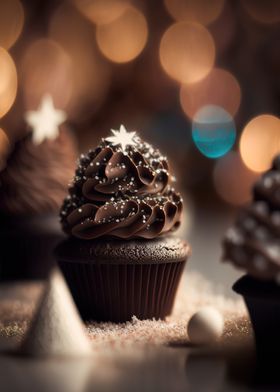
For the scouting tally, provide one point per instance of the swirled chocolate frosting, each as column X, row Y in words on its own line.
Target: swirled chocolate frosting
column 121, row 190
column 253, row 243
column 36, row 177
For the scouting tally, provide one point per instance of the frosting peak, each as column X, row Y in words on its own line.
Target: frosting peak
column 121, row 189
column 253, row 243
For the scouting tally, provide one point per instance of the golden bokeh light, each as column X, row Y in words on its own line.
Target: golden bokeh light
column 11, row 22
column 90, row 74
column 267, row 11
column 187, row 52
column 125, row 38
column 8, row 82
column 260, row 142
column 45, row 69
column 233, row 181
column 201, row 11
column 218, row 88
column 100, row 11
column 4, row 148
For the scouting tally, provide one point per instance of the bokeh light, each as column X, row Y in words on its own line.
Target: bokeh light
column 8, row 82
column 90, row 73
column 46, row 69
column 213, row 131
column 187, row 52
column 233, row 180
column 219, row 88
column 260, row 142
column 125, row 38
column 4, row 148
column 267, row 11
column 11, row 22
column 100, row 11
column 200, row 11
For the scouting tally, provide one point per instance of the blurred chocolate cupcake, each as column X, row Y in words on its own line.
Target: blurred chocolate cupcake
column 33, row 184
column 253, row 244
column 36, row 177
column 120, row 259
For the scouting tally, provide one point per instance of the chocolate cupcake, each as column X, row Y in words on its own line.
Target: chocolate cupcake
column 36, row 177
column 253, row 244
column 33, row 184
column 120, row 259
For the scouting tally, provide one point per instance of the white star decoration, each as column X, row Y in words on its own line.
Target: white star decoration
column 45, row 121
column 122, row 137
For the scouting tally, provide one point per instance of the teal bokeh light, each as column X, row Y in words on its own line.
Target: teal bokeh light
column 213, row 131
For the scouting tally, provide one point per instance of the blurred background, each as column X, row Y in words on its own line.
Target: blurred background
column 198, row 79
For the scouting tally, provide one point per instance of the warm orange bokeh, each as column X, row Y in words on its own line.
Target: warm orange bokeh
column 187, row 52
column 8, row 82
column 4, row 148
column 219, row 88
column 125, row 38
column 100, row 11
column 260, row 142
column 11, row 22
column 90, row 74
column 46, row 69
column 201, row 11
column 233, row 180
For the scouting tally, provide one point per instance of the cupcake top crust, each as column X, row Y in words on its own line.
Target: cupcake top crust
column 253, row 243
column 122, row 189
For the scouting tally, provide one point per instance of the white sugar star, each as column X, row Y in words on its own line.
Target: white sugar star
column 122, row 137
column 45, row 121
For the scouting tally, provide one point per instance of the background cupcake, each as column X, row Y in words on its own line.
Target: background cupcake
column 120, row 206
column 253, row 244
column 33, row 183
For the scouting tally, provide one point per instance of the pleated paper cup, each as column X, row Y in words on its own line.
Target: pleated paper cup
column 108, row 289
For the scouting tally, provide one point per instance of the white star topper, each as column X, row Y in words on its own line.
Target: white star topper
column 45, row 121
column 122, row 137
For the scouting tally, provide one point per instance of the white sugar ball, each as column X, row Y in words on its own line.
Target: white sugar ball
column 205, row 326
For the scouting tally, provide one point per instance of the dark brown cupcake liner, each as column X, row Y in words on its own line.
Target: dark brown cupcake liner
column 262, row 299
column 116, row 292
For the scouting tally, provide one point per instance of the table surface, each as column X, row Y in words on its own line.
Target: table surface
column 148, row 368
column 181, row 368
